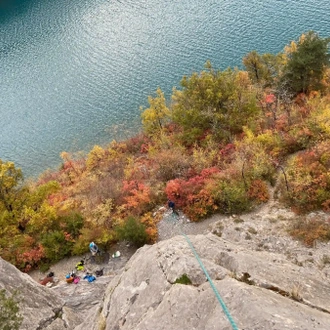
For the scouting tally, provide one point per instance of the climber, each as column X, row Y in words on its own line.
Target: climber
column 171, row 205
column 48, row 279
column 70, row 277
column 94, row 249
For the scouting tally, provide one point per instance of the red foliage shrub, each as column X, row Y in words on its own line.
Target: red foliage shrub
column 227, row 150
column 258, row 191
column 55, row 199
column 270, row 98
column 30, row 257
column 191, row 195
column 136, row 197
column 137, row 144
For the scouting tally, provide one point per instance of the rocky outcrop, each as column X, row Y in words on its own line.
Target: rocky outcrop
column 38, row 305
column 62, row 306
column 262, row 290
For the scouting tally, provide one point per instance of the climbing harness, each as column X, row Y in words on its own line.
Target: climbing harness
column 224, row 307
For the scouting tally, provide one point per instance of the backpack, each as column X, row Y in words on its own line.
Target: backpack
column 99, row 272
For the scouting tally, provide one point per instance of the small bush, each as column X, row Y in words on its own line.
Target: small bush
column 92, row 233
column 231, row 197
column 171, row 163
column 258, row 191
column 238, row 220
column 296, row 292
column 252, row 230
column 133, row 231
column 10, row 319
column 308, row 177
column 308, row 231
column 57, row 245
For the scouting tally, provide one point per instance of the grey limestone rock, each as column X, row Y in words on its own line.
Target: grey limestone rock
column 38, row 305
column 260, row 290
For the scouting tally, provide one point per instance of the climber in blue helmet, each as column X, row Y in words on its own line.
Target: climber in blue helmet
column 93, row 248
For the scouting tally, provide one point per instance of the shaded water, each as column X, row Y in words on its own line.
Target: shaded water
column 74, row 73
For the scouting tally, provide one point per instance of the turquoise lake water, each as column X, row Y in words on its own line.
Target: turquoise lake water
column 74, row 73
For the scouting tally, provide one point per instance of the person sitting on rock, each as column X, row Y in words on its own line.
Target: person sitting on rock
column 70, row 277
column 48, row 279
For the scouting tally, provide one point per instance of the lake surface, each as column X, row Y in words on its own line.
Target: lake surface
column 74, row 73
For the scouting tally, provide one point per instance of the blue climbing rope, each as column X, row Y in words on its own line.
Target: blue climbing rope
column 224, row 307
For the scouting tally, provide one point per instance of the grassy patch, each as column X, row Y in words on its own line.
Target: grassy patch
column 184, row 279
column 252, row 230
column 326, row 259
column 238, row 220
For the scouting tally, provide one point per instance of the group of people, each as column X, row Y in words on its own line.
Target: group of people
column 72, row 277
column 94, row 250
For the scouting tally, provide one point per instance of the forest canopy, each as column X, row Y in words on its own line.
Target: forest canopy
column 217, row 144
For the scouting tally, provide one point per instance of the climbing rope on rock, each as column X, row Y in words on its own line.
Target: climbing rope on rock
column 217, row 294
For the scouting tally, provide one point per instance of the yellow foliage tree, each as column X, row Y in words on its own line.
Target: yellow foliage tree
column 155, row 117
column 95, row 157
column 11, row 179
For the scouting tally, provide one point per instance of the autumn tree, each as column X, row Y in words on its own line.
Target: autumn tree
column 133, row 231
column 308, row 59
column 254, row 161
column 308, row 174
column 11, row 179
column 155, row 117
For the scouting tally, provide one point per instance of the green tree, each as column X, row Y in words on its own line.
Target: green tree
column 263, row 69
column 155, row 117
column 10, row 319
column 133, row 231
column 214, row 102
column 308, row 60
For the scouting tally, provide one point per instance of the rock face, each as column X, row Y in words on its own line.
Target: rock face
column 64, row 306
column 38, row 305
column 261, row 290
